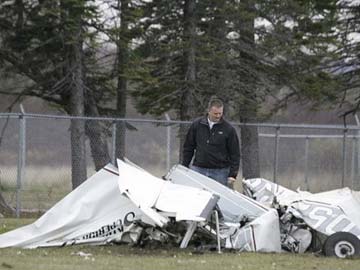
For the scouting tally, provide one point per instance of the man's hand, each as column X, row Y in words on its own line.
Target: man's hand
column 231, row 182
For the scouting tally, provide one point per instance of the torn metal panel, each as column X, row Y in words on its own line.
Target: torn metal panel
column 261, row 231
column 233, row 205
column 346, row 199
column 258, row 235
column 153, row 194
column 93, row 213
column 322, row 217
column 142, row 187
column 331, row 213
column 186, row 203
column 265, row 191
column 327, row 212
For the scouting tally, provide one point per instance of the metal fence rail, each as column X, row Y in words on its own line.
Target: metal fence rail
column 35, row 160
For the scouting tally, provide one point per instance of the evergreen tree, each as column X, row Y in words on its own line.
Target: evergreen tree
column 348, row 65
column 43, row 42
column 240, row 59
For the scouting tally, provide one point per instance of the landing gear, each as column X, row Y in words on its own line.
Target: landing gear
column 342, row 245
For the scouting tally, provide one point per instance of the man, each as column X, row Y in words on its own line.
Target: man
column 216, row 146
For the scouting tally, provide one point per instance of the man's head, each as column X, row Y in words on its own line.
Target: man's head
column 215, row 110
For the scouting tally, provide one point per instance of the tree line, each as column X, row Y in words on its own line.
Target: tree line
column 88, row 57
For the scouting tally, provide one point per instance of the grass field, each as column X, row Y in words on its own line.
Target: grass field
column 135, row 258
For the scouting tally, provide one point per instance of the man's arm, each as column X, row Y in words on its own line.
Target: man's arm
column 234, row 153
column 189, row 146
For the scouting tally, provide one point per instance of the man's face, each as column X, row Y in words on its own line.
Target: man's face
column 215, row 113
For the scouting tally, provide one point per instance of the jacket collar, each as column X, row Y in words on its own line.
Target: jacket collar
column 204, row 120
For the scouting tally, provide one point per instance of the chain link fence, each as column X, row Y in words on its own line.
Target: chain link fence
column 35, row 154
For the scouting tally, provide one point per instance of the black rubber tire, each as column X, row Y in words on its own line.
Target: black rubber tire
column 342, row 245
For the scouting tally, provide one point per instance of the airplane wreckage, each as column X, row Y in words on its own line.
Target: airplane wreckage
column 129, row 205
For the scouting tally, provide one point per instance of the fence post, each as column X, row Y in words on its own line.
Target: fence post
column 21, row 160
column 353, row 162
column 168, row 143
column 307, row 163
column 276, row 150
column 113, row 143
column 343, row 159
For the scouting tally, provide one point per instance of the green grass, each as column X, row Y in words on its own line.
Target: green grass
column 8, row 224
column 127, row 257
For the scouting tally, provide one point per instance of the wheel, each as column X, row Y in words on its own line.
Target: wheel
column 342, row 245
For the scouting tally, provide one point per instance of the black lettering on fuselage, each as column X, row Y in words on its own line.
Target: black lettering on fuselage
column 111, row 229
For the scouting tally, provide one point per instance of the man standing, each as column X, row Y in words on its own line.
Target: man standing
column 216, row 146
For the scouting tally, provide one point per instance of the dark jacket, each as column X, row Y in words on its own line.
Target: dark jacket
column 215, row 148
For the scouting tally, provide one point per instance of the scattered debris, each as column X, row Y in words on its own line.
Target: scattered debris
column 81, row 254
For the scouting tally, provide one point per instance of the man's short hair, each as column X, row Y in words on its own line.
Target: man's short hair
column 215, row 102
